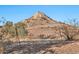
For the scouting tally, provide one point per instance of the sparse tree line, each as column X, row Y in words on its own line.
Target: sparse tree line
column 13, row 30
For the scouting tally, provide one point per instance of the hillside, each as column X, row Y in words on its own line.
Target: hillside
column 39, row 26
column 39, row 34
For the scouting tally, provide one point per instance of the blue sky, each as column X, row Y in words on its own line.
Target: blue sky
column 18, row 13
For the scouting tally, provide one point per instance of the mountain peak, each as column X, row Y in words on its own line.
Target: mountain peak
column 39, row 18
column 39, row 14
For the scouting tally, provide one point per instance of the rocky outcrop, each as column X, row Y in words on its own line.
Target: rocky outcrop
column 70, row 48
column 40, row 26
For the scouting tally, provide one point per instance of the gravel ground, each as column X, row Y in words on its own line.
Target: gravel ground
column 30, row 47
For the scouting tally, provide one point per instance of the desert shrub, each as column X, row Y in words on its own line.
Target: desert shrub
column 2, row 38
column 9, row 28
column 70, row 30
column 20, row 30
column 15, row 30
column 69, row 33
column 66, row 32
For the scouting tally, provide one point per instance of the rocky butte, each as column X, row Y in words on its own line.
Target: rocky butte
column 40, row 26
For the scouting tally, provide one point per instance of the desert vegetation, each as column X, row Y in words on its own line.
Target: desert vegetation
column 73, row 22
column 38, row 34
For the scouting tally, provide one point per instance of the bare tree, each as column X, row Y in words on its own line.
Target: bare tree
column 72, row 28
column 74, row 22
column 70, row 32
